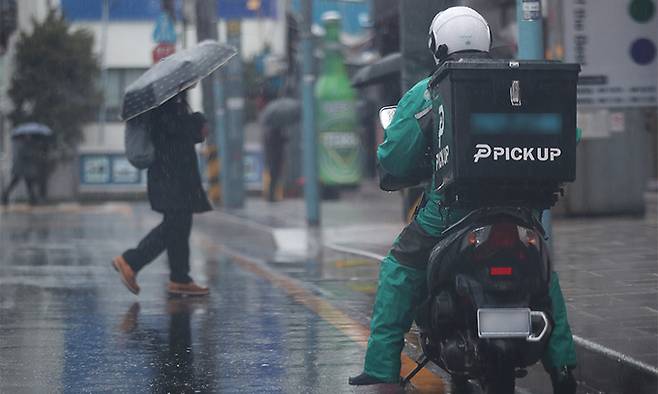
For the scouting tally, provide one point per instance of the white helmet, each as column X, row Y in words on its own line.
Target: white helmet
column 458, row 29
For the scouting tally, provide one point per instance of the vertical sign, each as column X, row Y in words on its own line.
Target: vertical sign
column 615, row 43
column 232, row 150
column 164, row 33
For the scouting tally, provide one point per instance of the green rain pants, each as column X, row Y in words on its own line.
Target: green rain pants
column 402, row 287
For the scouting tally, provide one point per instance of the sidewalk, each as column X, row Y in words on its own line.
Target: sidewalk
column 608, row 269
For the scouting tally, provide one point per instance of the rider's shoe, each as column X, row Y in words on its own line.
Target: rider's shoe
column 365, row 380
column 563, row 381
column 459, row 385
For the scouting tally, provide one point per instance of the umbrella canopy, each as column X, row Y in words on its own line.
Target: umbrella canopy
column 172, row 75
column 385, row 67
column 281, row 112
column 32, row 128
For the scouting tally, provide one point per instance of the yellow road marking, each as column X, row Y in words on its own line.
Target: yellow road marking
column 366, row 288
column 425, row 381
column 348, row 263
column 108, row 208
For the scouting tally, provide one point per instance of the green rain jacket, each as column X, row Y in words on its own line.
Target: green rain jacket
column 403, row 155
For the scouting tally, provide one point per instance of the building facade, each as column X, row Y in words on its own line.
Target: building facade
column 124, row 43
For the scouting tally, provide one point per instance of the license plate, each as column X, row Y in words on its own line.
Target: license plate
column 503, row 322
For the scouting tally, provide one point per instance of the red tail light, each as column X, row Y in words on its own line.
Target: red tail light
column 504, row 235
column 500, row 271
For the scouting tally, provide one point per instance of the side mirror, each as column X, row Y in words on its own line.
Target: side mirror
column 386, row 116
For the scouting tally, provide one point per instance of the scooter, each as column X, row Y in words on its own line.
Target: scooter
column 487, row 315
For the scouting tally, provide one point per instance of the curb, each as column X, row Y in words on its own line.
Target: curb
column 607, row 371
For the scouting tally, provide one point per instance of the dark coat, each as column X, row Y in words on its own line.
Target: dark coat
column 27, row 158
column 174, row 181
column 274, row 141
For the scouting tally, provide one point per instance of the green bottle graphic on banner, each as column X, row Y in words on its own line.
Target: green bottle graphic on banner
column 339, row 150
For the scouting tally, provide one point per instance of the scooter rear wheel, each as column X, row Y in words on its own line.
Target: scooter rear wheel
column 459, row 385
column 500, row 379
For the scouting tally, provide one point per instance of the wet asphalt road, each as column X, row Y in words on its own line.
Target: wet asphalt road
column 278, row 320
column 68, row 325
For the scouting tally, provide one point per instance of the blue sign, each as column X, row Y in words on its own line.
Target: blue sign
column 95, row 169
column 253, row 169
column 355, row 14
column 108, row 169
column 165, row 29
column 643, row 51
column 148, row 10
column 92, row 10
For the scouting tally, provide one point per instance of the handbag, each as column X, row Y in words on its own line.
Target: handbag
column 140, row 150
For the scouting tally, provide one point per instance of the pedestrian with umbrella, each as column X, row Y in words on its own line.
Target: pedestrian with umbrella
column 156, row 104
column 276, row 117
column 29, row 155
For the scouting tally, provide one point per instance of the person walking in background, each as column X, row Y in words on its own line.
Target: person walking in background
column 45, row 167
column 274, row 141
column 174, row 190
column 25, row 165
column 277, row 118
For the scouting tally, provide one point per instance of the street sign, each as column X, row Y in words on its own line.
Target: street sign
column 253, row 168
column 615, row 43
column 95, row 169
column 162, row 50
column 124, row 172
column 108, row 169
column 144, row 10
column 165, row 29
column 232, row 153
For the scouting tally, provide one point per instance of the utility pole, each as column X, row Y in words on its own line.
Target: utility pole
column 102, row 113
column 310, row 144
column 531, row 47
column 531, row 30
column 8, row 24
column 2, row 116
column 206, row 28
column 232, row 143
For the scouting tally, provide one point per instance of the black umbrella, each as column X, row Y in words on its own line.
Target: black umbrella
column 383, row 68
column 32, row 129
column 281, row 112
column 172, row 75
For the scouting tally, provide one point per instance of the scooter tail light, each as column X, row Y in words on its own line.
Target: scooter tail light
column 476, row 237
column 500, row 271
column 528, row 237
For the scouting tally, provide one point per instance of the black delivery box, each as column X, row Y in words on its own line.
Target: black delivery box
column 504, row 131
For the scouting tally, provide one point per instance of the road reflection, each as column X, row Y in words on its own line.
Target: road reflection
column 68, row 325
column 171, row 352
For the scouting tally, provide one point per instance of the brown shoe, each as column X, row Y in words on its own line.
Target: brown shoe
column 126, row 273
column 191, row 289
